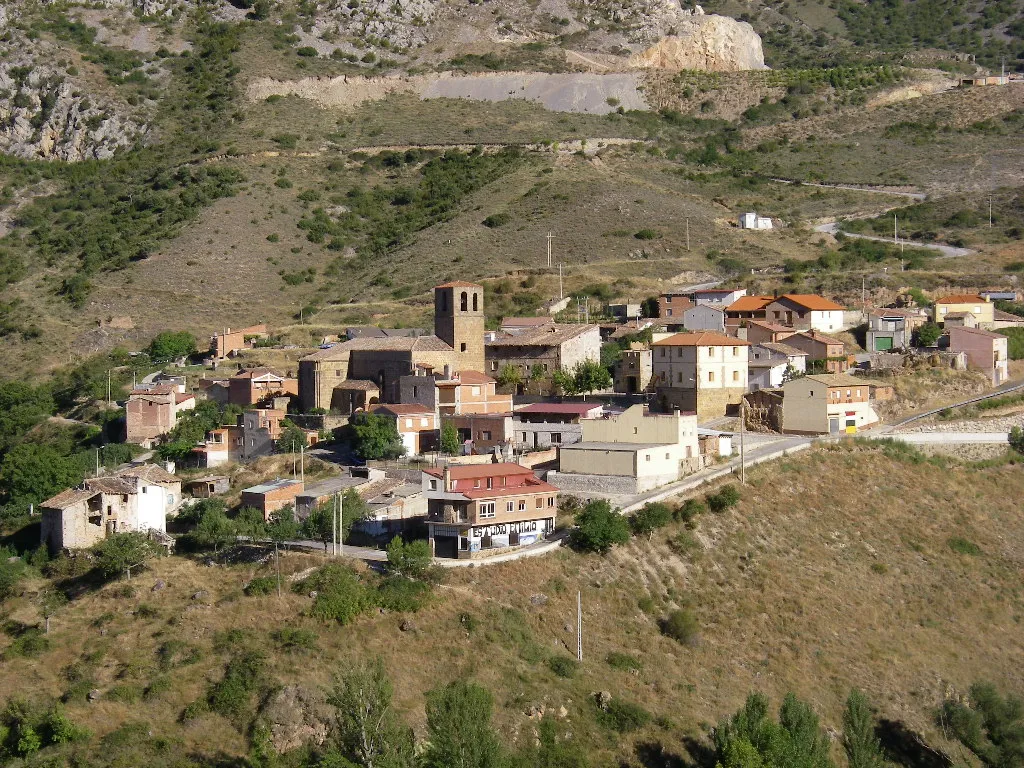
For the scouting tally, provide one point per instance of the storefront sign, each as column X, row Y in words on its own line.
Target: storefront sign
column 503, row 529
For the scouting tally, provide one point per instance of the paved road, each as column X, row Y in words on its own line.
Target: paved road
column 832, row 228
column 369, row 554
column 1010, row 386
column 941, row 438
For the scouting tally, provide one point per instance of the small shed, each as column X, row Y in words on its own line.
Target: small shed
column 208, row 485
column 751, row 220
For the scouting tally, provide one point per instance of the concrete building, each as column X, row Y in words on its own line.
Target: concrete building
column 743, row 309
column 753, row 221
column 960, row 320
column 544, row 350
column 481, row 509
column 458, row 344
column 270, row 497
column 824, row 353
column 979, row 306
column 720, row 298
column 630, row 453
column 152, row 413
column 704, row 317
column 228, row 342
column 634, row 373
column 701, row 372
column 627, row 311
column 672, row 305
column 481, row 432
column 805, row 312
column 417, row 426
column 822, row 404
column 542, row 425
column 152, row 474
column 312, row 496
column 223, row 445
column 396, row 506
column 986, row 351
column 770, row 364
column 100, row 507
column 261, row 429
column 257, row 385
column 893, row 329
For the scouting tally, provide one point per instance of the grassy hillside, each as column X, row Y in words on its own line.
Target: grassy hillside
column 851, row 566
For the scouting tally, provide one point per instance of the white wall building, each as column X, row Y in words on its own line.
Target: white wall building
column 752, row 221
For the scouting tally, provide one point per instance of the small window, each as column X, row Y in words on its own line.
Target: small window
column 510, row 506
column 494, row 365
column 735, row 351
column 540, row 503
column 666, row 456
column 668, row 313
column 415, row 392
column 476, row 391
column 551, row 501
column 711, row 375
column 476, row 483
column 522, row 505
column 490, row 483
column 485, row 435
column 647, row 457
column 556, row 437
column 735, row 375
column 848, row 393
column 679, row 376
column 408, row 423
column 663, row 351
column 711, row 350
column 475, row 304
column 462, row 347
column 636, row 430
column 487, row 509
column 424, row 421
column 433, row 485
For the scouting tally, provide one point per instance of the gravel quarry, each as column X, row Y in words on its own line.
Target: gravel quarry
column 591, row 93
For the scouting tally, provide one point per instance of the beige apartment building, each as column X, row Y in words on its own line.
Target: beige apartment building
column 701, row 372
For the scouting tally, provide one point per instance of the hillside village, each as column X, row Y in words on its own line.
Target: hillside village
column 467, row 437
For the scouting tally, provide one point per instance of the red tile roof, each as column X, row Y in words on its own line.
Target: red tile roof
column 468, row 377
column 401, row 409
column 457, row 284
column 961, row 298
column 577, row 409
column 750, row 303
column 812, row 301
column 705, row 339
column 475, row 471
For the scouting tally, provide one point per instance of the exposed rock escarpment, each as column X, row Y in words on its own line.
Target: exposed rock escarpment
column 707, row 43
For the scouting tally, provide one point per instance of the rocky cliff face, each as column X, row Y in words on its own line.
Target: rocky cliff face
column 707, row 43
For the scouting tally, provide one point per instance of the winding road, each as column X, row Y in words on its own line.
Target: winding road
column 947, row 251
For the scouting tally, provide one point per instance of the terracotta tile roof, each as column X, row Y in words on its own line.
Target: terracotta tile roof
column 812, row 301
column 838, row 380
column 525, row 322
column 957, row 315
column 976, row 332
column 572, row 409
column 69, row 498
column 162, row 390
column 532, row 486
column 401, row 409
column 703, row 339
column 457, row 284
column 773, row 327
column 546, row 336
column 466, row 377
column 149, row 472
column 181, row 397
column 254, row 373
column 961, row 298
column 377, row 344
column 750, row 303
column 820, row 337
column 1006, row 317
column 782, row 349
column 358, row 385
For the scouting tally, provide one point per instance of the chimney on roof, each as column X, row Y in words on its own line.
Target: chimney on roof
column 446, row 477
column 447, row 371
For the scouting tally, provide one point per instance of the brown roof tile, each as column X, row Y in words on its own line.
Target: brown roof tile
column 705, row 339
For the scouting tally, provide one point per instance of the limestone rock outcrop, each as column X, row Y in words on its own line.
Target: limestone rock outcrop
column 708, row 43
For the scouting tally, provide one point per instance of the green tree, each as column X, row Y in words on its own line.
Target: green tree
column 564, row 383
column 376, row 437
column 927, row 335
column 649, row 518
column 1017, row 439
column 119, row 553
column 50, row 601
column 320, row 524
column 215, row 529
column 459, row 726
column 450, row 442
column 599, row 527
column 368, row 730
column 410, row 559
column 589, row 376
column 292, row 439
column 750, row 739
column 509, row 376
column 22, row 406
column 31, row 473
column 649, row 307
column 249, row 522
column 170, row 346
column 863, row 749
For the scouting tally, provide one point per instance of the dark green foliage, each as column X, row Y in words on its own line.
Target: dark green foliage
column 992, row 727
column 1017, row 439
column 27, row 641
column 121, row 551
column 863, row 749
column 496, row 220
column 261, row 585
column 12, row 570
column 22, row 406
column 26, row 728
column 340, row 595
column 751, row 738
column 598, row 527
column 233, row 695
column 963, row 546
column 623, row 661
column 647, row 234
column 376, row 437
column 689, row 511
column 32, row 473
column 459, row 725
column 294, row 639
column 623, row 716
column 728, row 496
column 927, row 335
column 398, row 593
column 649, row 518
column 585, row 377
column 553, row 749
column 170, row 346
column 450, row 442
column 214, row 529
column 564, row 666
column 292, row 439
column 1015, row 344
column 681, row 625
column 410, row 559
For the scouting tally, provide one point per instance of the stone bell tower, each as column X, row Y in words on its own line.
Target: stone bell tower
column 459, row 321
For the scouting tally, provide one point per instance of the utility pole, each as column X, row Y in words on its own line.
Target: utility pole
column 687, row 233
column 334, row 526
column 97, row 463
column 895, row 237
column 743, row 429
column 579, row 626
column 990, row 211
column 108, row 387
column 341, row 523
column 302, row 464
column 549, row 238
column 561, row 291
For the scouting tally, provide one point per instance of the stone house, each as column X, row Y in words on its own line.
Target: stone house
column 634, row 372
column 631, row 452
column 893, row 328
column 208, row 485
column 256, row 385
column 985, row 350
column 261, row 429
column 541, row 425
column 152, row 413
column 705, row 373
column 823, row 352
column 542, row 351
column 831, row 404
column 481, row 509
column 80, row 517
column 228, row 342
column 222, row 445
column 157, row 475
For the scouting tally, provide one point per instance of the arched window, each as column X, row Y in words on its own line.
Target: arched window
column 465, row 301
column 475, row 307
column 444, row 301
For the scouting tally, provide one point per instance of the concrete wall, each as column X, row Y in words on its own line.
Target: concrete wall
column 538, row 435
column 704, row 318
column 151, row 508
column 635, row 426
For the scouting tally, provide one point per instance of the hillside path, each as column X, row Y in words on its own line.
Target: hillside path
column 947, row 251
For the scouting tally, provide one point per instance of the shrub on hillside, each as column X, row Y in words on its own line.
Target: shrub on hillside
column 497, row 220
column 681, row 626
column 261, row 585
column 623, row 716
column 340, row 595
column 233, row 694
column 563, row 666
column 688, row 512
column 649, row 518
column 727, row 497
column 623, row 661
column 598, row 528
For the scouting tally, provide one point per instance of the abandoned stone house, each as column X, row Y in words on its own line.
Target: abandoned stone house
column 539, row 352
column 152, row 413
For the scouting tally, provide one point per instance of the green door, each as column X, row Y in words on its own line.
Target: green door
column 883, row 343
